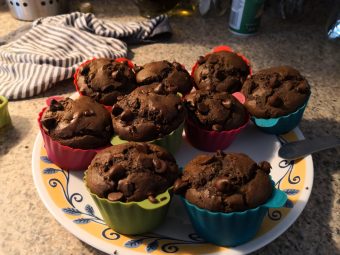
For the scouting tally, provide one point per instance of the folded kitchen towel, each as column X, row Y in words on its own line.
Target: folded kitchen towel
column 52, row 49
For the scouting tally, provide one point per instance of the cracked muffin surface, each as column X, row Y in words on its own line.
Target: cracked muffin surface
column 225, row 182
column 221, row 71
column 81, row 123
column 173, row 75
column 216, row 111
column 132, row 172
column 105, row 79
column 148, row 113
column 275, row 92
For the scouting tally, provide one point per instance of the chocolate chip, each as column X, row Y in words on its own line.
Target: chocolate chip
column 115, row 196
column 227, row 103
column 88, row 113
column 116, row 110
column 220, row 75
column 126, row 187
column 302, row 88
column 220, row 153
column 137, row 68
column 203, row 108
column 84, row 70
column 164, row 198
column 117, row 171
column 274, row 82
column 153, row 200
column 115, row 74
column 180, row 186
column 159, row 89
column 180, row 107
column 177, row 65
column 56, row 106
column 48, row 123
column 200, row 60
column 223, row 185
column 275, row 101
column 217, row 127
column 265, row 166
column 160, row 165
column 126, row 115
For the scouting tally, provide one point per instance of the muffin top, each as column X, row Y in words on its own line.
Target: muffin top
column 105, row 79
column 173, row 75
column 148, row 113
column 81, row 123
column 225, row 182
column 275, row 92
column 216, row 111
column 221, row 71
column 131, row 172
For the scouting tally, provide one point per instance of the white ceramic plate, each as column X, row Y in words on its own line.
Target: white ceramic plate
column 66, row 197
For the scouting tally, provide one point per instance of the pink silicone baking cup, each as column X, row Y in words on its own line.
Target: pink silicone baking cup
column 120, row 60
column 224, row 48
column 207, row 140
column 64, row 156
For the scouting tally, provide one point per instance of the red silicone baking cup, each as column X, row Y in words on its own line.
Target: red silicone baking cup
column 64, row 156
column 224, row 48
column 207, row 140
column 120, row 60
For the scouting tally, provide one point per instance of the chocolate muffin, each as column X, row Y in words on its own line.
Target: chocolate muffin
column 81, row 123
column 105, row 79
column 221, row 71
column 132, row 172
column 225, row 182
column 148, row 113
column 173, row 75
column 275, row 92
column 216, row 111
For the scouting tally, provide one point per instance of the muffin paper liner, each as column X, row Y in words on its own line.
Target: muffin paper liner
column 224, row 48
column 234, row 228
column 64, row 156
column 211, row 141
column 171, row 142
column 132, row 218
column 130, row 64
column 5, row 119
column 282, row 124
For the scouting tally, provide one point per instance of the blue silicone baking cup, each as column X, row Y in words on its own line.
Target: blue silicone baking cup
column 282, row 124
column 235, row 228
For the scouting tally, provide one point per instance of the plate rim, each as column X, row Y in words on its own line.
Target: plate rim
column 246, row 248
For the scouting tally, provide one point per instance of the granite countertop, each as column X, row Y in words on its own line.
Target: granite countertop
column 26, row 227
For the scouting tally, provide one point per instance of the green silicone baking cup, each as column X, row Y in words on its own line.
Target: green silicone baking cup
column 133, row 218
column 5, row 119
column 171, row 142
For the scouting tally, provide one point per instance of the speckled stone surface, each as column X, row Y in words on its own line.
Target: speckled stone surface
column 26, row 227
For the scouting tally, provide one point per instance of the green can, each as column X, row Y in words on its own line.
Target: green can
column 245, row 16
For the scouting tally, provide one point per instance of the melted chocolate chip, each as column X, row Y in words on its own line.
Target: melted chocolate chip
column 115, row 196
column 227, row 103
column 117, row 171
column 217, row 127
column 116, row 110
column 275, row 101
column 127, row 115
column 180, row 186
column 223, row 185
column 153, row 200
column 56, row 106
column 126, row 187
column 160, row 165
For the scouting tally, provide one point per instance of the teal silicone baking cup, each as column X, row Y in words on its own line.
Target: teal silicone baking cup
column 5, row 119
column 235, row 228
column 282, row 124
column 133, row 218
column 171, row 142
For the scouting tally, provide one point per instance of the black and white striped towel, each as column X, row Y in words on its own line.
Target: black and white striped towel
column 54, row 47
